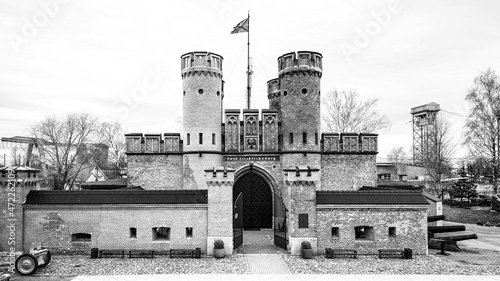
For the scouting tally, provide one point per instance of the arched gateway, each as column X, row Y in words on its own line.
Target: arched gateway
column 257, row 200
column 257, row 204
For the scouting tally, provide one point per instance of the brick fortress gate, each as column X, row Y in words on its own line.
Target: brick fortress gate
column 300, row 182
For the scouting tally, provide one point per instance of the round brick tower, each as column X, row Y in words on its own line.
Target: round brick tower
column 202, row 90
column 299, row 82
column 202, row 114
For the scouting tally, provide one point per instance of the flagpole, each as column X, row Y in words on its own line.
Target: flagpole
column 249, row 86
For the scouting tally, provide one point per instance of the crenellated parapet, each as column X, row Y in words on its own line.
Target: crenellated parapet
column 217, row 176
column 302, row 175
column 153, row 143
column 305, row 62
column 350, row 143
column 201, row 63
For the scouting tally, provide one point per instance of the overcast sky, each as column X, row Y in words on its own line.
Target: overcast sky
column 92, row 56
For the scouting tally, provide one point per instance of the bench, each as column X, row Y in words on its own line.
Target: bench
column 391, row 253
column 111, row 253
column 340, row 253
column 141, row 254
column 191, row 253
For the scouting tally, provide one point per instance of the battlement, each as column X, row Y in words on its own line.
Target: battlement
column 350, row 142
column 302, row 61
column 201, row 62
column 153, row 143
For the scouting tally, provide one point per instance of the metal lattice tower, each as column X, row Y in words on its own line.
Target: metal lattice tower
column 424, row 124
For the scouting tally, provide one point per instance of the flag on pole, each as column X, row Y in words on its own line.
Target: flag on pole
column 243, row 26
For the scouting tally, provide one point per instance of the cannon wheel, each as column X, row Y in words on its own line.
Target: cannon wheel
column 26, row 264
column 46, row 259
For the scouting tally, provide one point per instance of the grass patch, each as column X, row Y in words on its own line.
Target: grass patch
column 464, row 215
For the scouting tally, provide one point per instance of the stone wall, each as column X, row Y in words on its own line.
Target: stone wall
column 348, row 171
column 109, row 227
column 410, row 228
column 155, row 171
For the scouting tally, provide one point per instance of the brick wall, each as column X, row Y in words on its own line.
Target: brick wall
column 109, row 227
column 155, row 171
column 410, row 224
column 348, row 171
column 11, row 225
column 193, row 176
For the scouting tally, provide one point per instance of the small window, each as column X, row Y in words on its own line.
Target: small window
column 291, row 138
column 133, row 232
column 161, row 233
column 200, row 91
column 392, row 232
column 218, row 93
column 316, row 138
column 213, row 139
column 386, row 176
column 303, row 221
column 188, row 139
column 81, row 237
column 363, row 232
column 285, row 93
column 304, row 91
column 335, row 232
column 201, row 138
column 304, row 138
column 189, row 232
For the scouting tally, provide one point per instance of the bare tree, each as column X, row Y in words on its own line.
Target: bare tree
column 438, row 160
column 112, row 135
column 399, row 157
column 482, row 125
column 346, row 112
column 62, row 142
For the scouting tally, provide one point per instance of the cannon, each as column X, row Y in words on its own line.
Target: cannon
column 27, row 264
column 446, row 228
column 448, row 241
column 457, row 236
column 435, row 218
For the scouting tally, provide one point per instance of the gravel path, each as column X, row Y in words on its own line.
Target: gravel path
column 238, row 264
column 430, row 264
column 83, row 265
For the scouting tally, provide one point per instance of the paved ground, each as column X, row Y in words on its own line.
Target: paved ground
column 482, row 251
column 259, row 242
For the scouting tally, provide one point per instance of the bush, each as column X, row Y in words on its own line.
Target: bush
column 306, row 245
column 218, row 244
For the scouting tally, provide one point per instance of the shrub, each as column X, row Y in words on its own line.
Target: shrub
column 218, row 244
column 306, row 245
